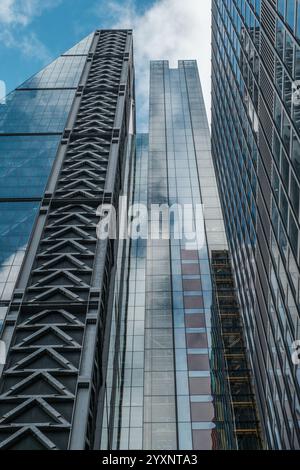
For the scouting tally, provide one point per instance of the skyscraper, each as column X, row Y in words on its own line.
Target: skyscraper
column 32, row 121
column 255, row 143
column 66, row 143
column 185, row 382
column 118, row 342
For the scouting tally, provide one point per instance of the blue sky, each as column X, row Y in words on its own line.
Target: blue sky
column 34, row 32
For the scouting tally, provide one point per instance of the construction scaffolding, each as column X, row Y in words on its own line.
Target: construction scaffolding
column 237, row 370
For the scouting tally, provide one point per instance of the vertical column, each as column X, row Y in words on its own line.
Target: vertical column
column 160, row 417
column 134, row 360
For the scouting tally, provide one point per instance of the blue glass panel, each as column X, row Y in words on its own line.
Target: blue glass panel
column 35, row 111
column 64, row 72
column 16, row 222
column 25, row 164
column 82, row 47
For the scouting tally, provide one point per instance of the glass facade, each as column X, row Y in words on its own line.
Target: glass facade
column 179, row 287
column 82, row 47
column 32, row 120
column 255, row 137
column 172, row 396
column 35, row 111
column 64, row 72
column 119, row 404
column 26, row 162
column 133, row 364
column 151, row 346
column 16, row 222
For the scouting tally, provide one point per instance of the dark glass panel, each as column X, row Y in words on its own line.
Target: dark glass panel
column 64, row 72
column 202, row 440
column 35, row 111
column 195, row 321
column 196, row 340
column 25, row 164
column 16, row 221
column 202, row 412
column 198, row 362
column 200, row 385
column 191, row 302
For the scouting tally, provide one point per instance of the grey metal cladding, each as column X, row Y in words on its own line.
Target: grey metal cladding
column 53, row 377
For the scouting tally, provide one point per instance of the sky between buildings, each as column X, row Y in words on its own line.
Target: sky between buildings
column 34, row 32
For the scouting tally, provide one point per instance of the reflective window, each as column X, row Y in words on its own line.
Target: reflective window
column 35, row 111
column 296, row 154
column 16, row 221
column 82, row 47
column 25, row 164
column 231, row 84
column 64, row 72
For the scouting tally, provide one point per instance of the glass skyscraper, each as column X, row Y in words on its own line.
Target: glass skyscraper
column 116, row 343
column 185, row 382
column 66, row 143
column 31, row 125
column 256, row 151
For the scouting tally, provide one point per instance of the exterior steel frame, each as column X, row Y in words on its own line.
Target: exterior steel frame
column 58, row 324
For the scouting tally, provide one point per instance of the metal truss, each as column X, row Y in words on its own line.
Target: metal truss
column 58, row 323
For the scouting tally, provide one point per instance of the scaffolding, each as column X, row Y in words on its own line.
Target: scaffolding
column 238, row 373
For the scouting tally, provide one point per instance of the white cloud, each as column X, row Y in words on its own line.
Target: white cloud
column 2, row 92
column 170, row 30
column 21, row 12
column 29, row 45
column 15, row 16
column 6, row 14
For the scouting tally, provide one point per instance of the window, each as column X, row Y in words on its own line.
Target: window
column 295, row 195
column 290, row 13
column 286, row 132
column 296, row 154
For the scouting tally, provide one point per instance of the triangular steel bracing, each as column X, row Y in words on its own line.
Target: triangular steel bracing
column 53, row 373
